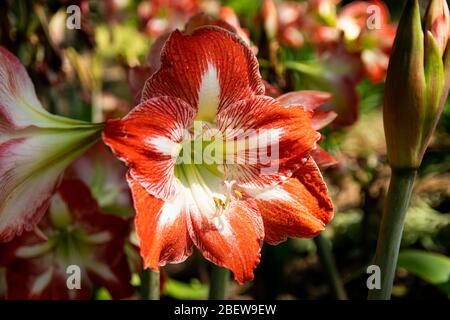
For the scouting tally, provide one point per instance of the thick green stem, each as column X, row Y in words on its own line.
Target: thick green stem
column 218, row 289
column 326, row 257
column 391, row 230
column 150, row 285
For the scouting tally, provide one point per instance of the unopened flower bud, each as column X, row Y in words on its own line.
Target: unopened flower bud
column 417, row 82
column 438, row 23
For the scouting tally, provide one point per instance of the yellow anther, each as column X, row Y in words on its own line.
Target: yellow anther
column 219, row 203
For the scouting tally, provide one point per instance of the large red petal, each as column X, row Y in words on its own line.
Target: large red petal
column 210, row 68
column 161, row 228
column 232, row 240
column 299, row 208
column 148, row 138
column 275, row 140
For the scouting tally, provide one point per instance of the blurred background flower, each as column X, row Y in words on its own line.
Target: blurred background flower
column 73, row 233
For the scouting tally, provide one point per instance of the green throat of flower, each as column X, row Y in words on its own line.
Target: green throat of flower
column 204, row 178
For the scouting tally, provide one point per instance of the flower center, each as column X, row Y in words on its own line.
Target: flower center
column 201, row 170
column 211, row 193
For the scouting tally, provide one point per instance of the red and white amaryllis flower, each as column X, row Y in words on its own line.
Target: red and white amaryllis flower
column 35, row 148
column 225, row 208
column 73, row 233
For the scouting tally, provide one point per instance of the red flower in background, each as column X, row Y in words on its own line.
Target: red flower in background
column 161, row 16
column 224, row 209
column 351, row 41
column 366, row 25
column 340, row 73
column 73, row 232
column 284, row 20
column 364, row 28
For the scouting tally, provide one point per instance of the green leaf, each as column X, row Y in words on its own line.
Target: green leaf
column 103, row 294
column 431, row 267
column 186, row 291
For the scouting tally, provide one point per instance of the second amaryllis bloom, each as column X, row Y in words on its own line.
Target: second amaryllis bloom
column 35, row 149
column 215, row 163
